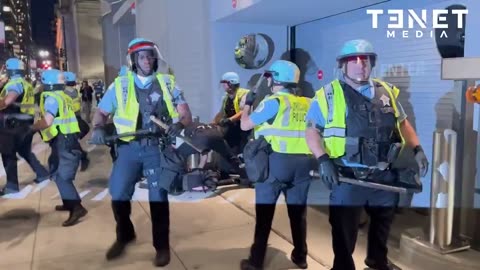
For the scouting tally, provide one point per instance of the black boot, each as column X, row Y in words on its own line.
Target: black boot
column 118, row 249
column 381, row 266
column 76, row 213
column 61, row 207
column 247, row 265
column 300, row 262
column 124, row 229
column 298, row 227
column 162, row 258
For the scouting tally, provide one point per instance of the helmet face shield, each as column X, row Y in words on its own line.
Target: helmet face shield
column 146, row 57
column 358, row 67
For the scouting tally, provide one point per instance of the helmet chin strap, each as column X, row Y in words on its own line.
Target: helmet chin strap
column 356, row 80
column 143, row 71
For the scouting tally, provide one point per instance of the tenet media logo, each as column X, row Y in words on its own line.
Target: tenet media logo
column 417, row 23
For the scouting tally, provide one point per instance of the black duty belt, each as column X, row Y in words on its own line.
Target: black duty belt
column 145, row 141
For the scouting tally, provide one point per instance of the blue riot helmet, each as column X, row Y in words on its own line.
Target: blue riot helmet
column 232, row 81
column 284, row 72
column 356, row 50
column 15, row 67
column 53, row 80
column 231, row 78
column 140, row 44
column 70, row 78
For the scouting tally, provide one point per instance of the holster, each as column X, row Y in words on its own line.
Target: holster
column 172, row 169
column 255, row 154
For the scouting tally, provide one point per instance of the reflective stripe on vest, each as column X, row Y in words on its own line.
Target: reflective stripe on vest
column 66, row 121
column 27, row 105
column 128, row 108
column 287, row 132
column 241, row 92
column 334, row 109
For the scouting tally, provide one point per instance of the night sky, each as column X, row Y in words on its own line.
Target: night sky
column 42, row 17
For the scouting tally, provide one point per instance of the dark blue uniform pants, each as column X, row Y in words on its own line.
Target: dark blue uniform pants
column 65, row 158
column 288, row 174
column 24, row 148
column 132, row 162
column 346, row 204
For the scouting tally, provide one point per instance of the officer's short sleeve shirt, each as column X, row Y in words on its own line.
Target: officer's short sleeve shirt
column 15, row 87
column 266, row 110
column 51, row 105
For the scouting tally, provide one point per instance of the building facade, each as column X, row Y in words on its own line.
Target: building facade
column 16, row 30
column 79, row 32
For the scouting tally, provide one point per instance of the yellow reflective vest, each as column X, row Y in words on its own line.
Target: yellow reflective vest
column 241, row 92
column 65, row 122
column 334, row 110
column 126, row 114
column 74, row 95
column 27, row 105
column 287, row 132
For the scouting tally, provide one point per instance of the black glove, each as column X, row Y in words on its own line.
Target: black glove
column 421, row 160
column 98, row 136
column 250, row 99
column 225, row 122
column 327, row 170
column 175, row 129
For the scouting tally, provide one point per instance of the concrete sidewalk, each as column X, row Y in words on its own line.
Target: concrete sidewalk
column 207, row 230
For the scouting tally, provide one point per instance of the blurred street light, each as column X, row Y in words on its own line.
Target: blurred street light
column 43, row 53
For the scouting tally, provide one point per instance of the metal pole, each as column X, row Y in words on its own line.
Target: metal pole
column 442, row 196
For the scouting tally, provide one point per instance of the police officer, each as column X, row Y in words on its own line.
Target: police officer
column 229, row 115
column 132, row 99
column 72, row 92
column 359, row 119
column 17, row 97
column 280, row 118
column 59, row 127
column 98, row 89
